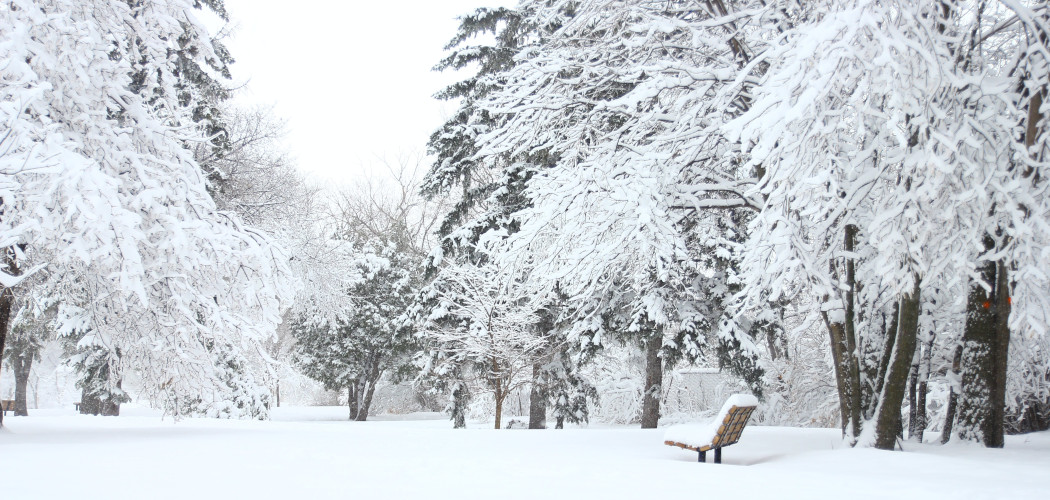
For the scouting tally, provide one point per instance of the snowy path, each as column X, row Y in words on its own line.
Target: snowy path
column 67, row 456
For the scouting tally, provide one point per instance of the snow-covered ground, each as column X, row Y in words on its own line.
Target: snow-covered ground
column 313, row 453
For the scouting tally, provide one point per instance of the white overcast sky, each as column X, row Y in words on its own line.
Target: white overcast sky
column 353, row 79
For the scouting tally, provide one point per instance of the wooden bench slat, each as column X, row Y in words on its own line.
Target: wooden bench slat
column 729, row 432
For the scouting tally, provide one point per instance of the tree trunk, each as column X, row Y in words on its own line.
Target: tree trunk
column 954, row 379
column 500, row 396
column 913, row 389
column 893, row 388
column 654, row 374
column 924, row 379
column 460, row 398
column 6, row 299
column 365, row 390
column 351, row 401
column 844, row 348
column 22, row 366
column 537, row 399
column 838, row 358
column 853, row 357
column 366, row 405
column 982, row 404
column 871, row 398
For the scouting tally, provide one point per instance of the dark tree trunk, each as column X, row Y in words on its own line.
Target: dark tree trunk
column 365, row 391
column 22, row 366
column 888, row 421
column 953, row 396
column 654, row 374
column 6, row 299
column 537, row 399
column 844, row 347
column 838, row 358
column 500, row 396
column 499, row 387
column 853, row 358
column 913, row 392
column 878, row 372
column 460, row 398
column 351, row 401
column 366, row 404
column 923, row 390
column 982, row 404
column 559, row 423
column 920, row 413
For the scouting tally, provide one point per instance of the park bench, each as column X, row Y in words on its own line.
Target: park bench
column 723, row 431
column 8, row 405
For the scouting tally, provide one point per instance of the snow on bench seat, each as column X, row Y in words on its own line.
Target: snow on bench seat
column 723, row 431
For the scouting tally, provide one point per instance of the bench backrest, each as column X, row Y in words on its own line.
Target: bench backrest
column 732, row 426
column 7, row 404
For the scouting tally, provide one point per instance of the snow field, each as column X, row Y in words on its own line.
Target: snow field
column 312, row 453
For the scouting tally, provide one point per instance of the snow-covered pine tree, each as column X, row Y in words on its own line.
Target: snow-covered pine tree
column 372, row 340
column 487, row 188
column 634, row 215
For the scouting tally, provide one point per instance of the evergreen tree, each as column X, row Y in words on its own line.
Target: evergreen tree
column 490, row 187
column 372, row 340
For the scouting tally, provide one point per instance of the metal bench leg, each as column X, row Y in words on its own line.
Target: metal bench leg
column 703, row 457
column 718, row 455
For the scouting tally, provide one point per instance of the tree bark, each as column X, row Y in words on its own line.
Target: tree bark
column 654, row 374
column 953, row 395
column 878, row 372
column 22, row 366
column 366, row 406
column 537, row 399
column 844, row 348
column 888, row 417
column 365, row 390
column 982, row 404
column 913, row 391
column 460, row 398
column 923, row 390
column 6, row 300
column 351, row 401
column 838, row 358
column 853, row 357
